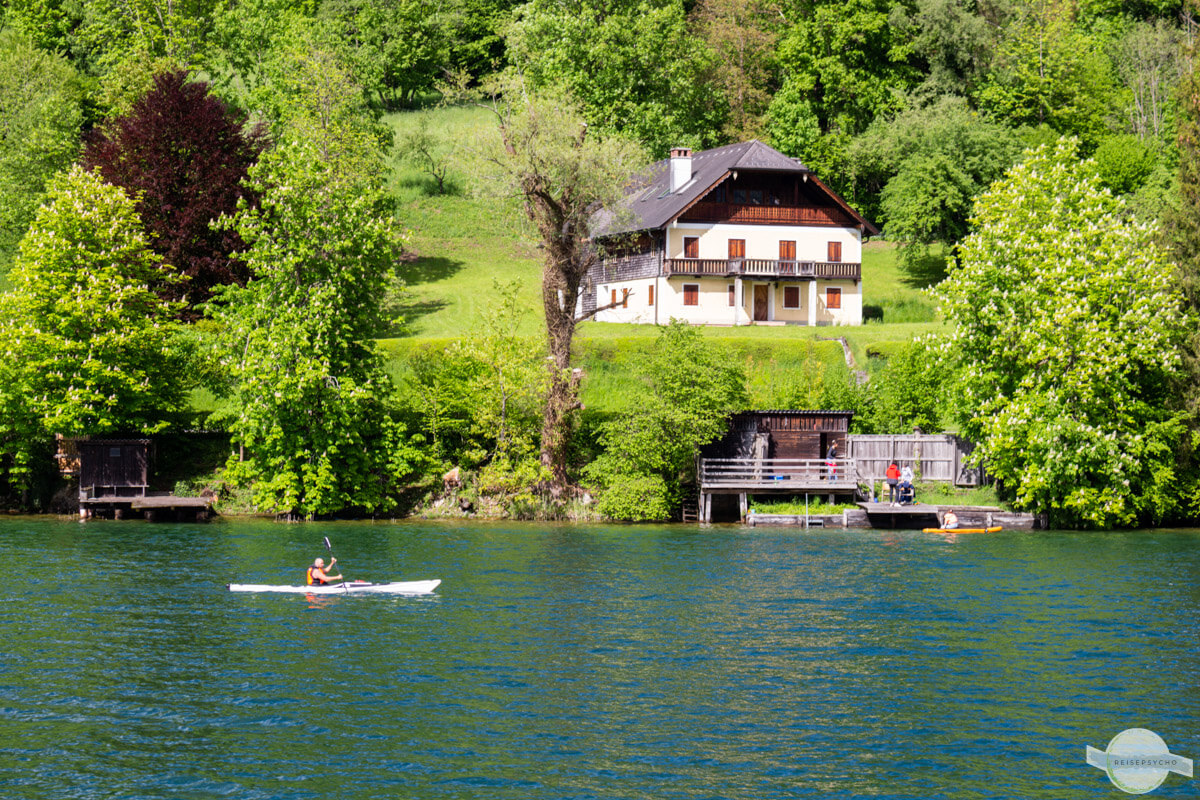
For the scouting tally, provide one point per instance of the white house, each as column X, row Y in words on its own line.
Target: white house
column 737, row 235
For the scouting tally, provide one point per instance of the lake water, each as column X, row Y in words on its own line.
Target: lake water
column 589, row 662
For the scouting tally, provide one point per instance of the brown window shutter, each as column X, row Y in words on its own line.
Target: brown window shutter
column 787, row 251
column 650, row 294
column 691, row 294
column 614, row 297
column 737, row 248
column 835, row 251
column 833, row 298
column 732, row 294
column 791, row 297
column 624, row 298
column 691, row 247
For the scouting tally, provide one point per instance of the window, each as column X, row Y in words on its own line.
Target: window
column 835, row 251
column 613, row 302
column 732, row 295
column 787, row 251
column 755, row 197
column 691, row 247
column 739, row 196
column 737, row 248
column 624, row 301
column 833, row 298
column 114, row 452
column 791, row 297
column 650, row 294
column 691, row 294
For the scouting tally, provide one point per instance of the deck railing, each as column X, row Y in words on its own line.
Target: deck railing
column 746, row 213
column 764, row 268
column 813, row 474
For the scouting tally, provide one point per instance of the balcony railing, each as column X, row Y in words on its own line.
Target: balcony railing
column 764, row 268
column 766, row 215
column 777, row 474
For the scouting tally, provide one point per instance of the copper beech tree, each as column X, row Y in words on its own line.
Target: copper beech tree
column 562, row 175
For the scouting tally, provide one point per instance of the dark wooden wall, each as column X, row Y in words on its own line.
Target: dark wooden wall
column 793, row 434
column 114, row 464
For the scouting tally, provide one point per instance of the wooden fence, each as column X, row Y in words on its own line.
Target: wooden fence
column 939, row 456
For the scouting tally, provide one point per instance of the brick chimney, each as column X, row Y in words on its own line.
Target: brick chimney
column 681, row 167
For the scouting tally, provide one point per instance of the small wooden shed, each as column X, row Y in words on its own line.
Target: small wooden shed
column 785, row 433
column 114, row 467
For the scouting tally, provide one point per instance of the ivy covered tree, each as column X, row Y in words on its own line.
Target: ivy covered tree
column 313, row 405
column 87, row 348
column 1069, row 332
column 561, row 173
column 690, row 387
column 183, row 154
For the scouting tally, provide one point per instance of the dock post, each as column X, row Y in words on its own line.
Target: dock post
column 743, row 506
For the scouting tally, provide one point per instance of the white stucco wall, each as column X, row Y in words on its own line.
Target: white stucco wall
column 713, row 302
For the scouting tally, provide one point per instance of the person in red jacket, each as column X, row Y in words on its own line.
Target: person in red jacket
column 893, row 478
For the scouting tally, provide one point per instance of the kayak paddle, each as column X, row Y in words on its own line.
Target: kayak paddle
column 329, row 548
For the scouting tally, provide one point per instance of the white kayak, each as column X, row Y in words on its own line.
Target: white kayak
column 350, row 587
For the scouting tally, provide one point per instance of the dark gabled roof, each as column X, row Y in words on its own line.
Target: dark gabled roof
column 651, row 205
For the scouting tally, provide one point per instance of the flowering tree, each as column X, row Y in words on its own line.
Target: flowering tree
column 312, row 399
column 85, row 346
column 1068, row 332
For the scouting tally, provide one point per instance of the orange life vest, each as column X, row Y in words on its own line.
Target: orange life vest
column 309, row 579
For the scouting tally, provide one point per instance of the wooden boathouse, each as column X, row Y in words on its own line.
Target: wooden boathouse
column 777, row 452
column 114, row 481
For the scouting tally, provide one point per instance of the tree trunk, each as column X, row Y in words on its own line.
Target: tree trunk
column 561, row 276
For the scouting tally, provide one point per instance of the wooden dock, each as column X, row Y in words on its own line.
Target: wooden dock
column 893, row 516
column 153, row 508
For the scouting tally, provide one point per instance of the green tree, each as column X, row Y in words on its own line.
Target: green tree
column 742, row 35
column 1125, row 162
column 633, row 66
column 40, row 115
column 846, row 60
column 1050, row 71
column 313, row 405
column 561, row 173
column 398, row 48
column 907, row 393
column 1068, row 332
column 690, row 387
column 87, row 346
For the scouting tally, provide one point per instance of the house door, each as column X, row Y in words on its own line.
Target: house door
column 760, row 303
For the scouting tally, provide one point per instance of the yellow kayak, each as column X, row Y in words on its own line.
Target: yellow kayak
column 963, row 530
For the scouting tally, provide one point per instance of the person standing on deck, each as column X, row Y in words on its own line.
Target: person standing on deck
column 893, row 478
column 831, row 461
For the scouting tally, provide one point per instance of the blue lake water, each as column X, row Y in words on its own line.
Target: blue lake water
column 589, row 662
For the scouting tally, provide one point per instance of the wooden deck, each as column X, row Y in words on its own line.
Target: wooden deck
column 777, row 476
column 153, row 508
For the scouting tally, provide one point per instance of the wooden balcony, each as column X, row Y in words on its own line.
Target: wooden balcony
column 777, row 475
column 764, row 268
column 767, row 215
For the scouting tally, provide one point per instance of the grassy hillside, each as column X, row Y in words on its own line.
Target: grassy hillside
column 464, row 241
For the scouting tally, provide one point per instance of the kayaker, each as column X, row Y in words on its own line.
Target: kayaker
column 950, row 520
column 316, row 575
